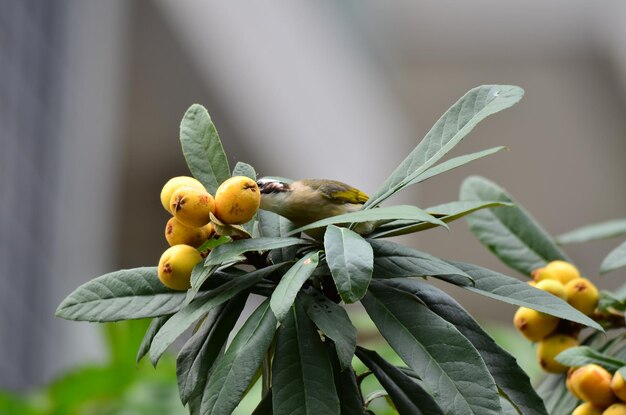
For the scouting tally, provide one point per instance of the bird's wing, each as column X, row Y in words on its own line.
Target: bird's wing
column 338, row 191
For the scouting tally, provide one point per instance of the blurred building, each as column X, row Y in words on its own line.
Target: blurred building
column 91, row 95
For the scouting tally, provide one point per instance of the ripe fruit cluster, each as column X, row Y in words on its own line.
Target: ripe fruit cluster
column 601, row 392
column 553, row 336
column 193, row 208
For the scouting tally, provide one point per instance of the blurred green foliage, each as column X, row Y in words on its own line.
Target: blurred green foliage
column 117, row 387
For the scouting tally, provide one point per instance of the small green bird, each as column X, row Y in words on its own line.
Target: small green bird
column 309, row 200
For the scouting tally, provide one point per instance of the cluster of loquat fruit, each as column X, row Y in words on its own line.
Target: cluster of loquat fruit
column 601, row 392
column 194, row 211
column 553, row 335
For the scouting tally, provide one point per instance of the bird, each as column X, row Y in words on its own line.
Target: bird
column 309, row 200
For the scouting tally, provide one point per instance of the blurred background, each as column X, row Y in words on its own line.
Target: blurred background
column 92, row 93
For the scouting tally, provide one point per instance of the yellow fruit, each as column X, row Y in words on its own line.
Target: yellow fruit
column 178, row 234
column 532, row 283
column 562, row 271
column 618, row 385
column 550, row 347
column 175, row 266
column 582, row 295
column 615, row 409
column 237, row 200
column 587, row 408
column 554, row 287
column 592, row 383
column 192, row 207
column 534, row 325
column 541, row 274
column 174, row 184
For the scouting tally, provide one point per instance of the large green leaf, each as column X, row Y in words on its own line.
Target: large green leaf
column 121, row 295
column 289, row 285
column 604, row 230
column 513, row 291
column 334, row 322
column 184, row 318
column 272, row 225
column 405, row 212
column 244, row 169
column 302, row 376
column 448, row 364
column 351, row 262
column 510, row 233
column 203, row 149
column 584, row 355
column 153, row 329
column 234, row 371
column 200, row 352
column 392, row 260
column 408, row 396
column 448, row 212
column 455, row 162
column 615, row 259
column 503, row 367
column 447, row 132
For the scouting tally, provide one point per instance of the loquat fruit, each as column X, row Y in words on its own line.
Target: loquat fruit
column 583, row 295
column 549, row 347
column 174, row 184
column 176, row 233
column 192, row 207
column 237, row 200
column 175, row 266
column 533, row 324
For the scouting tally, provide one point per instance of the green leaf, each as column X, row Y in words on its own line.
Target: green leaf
column 604, row 230
column 200, row 352
column 334, row 322
column 302, row 376
column 203, row 149
column 615, row 259
column 509, row 377
column 454, row 163
column 392, row 260
column 584, row 355
column 272, row 225
column 121, row 295
column 449, row 365
column 447, row 132
column 511, row 233
column 232, row 250
column 234, row 371
column 510, row 290
column 244, row 169
column 398, row 212
column 180, row 321
column 348, row 390
column 448, row 212
column 408, row 396
column 288, row 287
column 155, row 326
column 351, row 262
